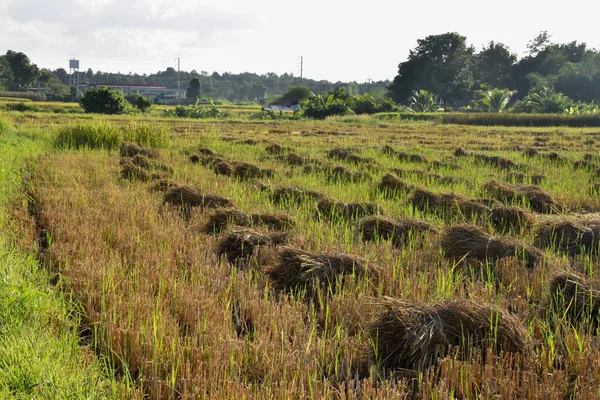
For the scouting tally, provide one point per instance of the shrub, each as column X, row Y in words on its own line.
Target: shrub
column 147, row 135
column 140, row 102
column 99, row 135
column 103, row 100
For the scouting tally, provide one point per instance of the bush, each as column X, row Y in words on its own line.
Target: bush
column 147, row 135
column 101, row 135
column 97, row 135
column 140, row 102
column 103, row 100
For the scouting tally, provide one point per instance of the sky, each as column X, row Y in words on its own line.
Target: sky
column 339, row 40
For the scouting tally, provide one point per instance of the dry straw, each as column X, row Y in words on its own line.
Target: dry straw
column 399, row 232
column 568, row 237
column 576, row 297
column 239, row 245
column 496, row 161
column 299, row 270
column 329, row 209
column 294, row 195
column 472, row 242
column 246, row 171
column 223, row 167
column 511, row 218
column 222, row 217
column 274, row 149
column 343, row 174
column 129, row 149
column 392, row 185
column 413, row 336
column 339, row 154
column 186, row 198
column 538, row 199
column 448, row 205
column 294, row 159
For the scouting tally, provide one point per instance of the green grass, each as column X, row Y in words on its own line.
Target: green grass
column 39, row 354
column 103, row 135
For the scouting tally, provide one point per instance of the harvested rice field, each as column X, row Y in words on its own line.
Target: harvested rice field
column 329, row 259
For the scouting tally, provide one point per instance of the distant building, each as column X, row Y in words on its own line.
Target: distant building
column 272, row 107
column 151, row 91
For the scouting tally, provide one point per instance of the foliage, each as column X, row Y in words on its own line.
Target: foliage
column 194, row 90
column 294, row 95
column 321, row 107
column 544, row 101
column 493, row 66
column 494, row 100
column 151, row 135
column 367, row 104
column 140, row 102
column 441, row 64
column 197, row 111
column 102, row 135
column 94, row 135
column 22, row 72
column 102, row 100
column 422, row 101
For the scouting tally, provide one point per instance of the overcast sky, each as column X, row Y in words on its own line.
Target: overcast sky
column 339, row 39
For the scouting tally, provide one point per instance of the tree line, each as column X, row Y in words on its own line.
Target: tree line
column 441, row 72
column 17, row 73
column 551, row 77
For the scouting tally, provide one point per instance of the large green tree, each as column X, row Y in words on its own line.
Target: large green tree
column 442, row 64
column 5, row 74
column 493, row 66
column 23, row 71
column 194, row 90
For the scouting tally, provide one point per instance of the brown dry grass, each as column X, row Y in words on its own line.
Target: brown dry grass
column 399, row 232
column 413, row 336
column 470, row 241
column 539, row 200
column 568, row 237
column 331, row 209
column 300, row 270
column 240, row 244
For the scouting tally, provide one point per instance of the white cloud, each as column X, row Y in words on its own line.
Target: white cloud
column 340, row 40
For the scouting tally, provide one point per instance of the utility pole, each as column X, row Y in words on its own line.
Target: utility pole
column 178, row 82
column 368, row 84
column 301, row 63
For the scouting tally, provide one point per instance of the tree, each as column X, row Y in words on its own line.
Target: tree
column 440, row 63
column 494, row 100
column 5, row 74
column 493, row 66
column 23, row 71
column 424, row 101
column 539, row 43
column 103, row 100
column 194, row 90
column 62, row 75
column 294, row 95
column 140, row 102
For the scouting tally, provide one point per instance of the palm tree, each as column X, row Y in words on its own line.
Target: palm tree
column 425, row 101
column 496, row 100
